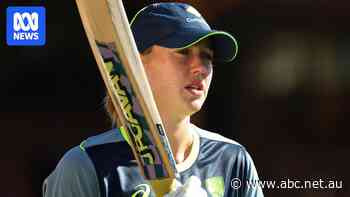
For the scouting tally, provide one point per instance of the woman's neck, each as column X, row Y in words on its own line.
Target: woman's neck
column 180, row 138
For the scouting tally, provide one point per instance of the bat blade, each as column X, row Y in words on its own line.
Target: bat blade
column 110, row 38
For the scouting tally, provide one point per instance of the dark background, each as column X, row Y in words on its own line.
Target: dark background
column 285, row 97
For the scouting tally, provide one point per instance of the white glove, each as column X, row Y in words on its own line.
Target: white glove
column 191, row 188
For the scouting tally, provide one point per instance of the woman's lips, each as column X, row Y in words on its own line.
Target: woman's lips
column 195, row 88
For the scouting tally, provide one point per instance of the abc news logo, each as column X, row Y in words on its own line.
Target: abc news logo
column 33, row 21
column 25, row 26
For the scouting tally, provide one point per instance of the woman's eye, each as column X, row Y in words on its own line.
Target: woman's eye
column 207, row 56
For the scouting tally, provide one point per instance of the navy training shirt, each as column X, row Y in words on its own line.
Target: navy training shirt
column 104, row 166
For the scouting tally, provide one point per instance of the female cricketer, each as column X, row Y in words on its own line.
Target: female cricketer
column 177, row 48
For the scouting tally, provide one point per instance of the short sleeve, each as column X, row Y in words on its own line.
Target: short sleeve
column 74, row 176
column 244, row 179
column 252, row 187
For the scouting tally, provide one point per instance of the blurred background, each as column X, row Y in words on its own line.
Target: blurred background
column 285, row 97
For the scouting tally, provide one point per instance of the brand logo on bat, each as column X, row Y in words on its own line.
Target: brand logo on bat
column 25, row 26
column 136, row 129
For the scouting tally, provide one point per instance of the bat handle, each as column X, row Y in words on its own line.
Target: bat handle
column 163, row 186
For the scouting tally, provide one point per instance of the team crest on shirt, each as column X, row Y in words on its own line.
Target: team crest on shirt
column 215, row 186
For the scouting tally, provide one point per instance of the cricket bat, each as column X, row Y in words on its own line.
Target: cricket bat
column 111, row 40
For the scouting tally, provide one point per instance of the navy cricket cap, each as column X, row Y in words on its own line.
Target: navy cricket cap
column 179, row 25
